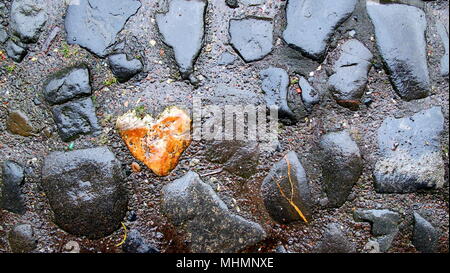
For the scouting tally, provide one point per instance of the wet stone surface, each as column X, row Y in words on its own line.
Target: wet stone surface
column 123, row 68
column 11, row 197
column 3, row 35
column 28, row 18
column 443, row 32
column 252, row 37
column 182, row 28
column 310, row 95
column 403, row 48
column 385, row 225
column 75, row 118
column 235, row 205
column 342, row 166
column 286, row 191
column 425, row 237
column 68, row 84
column 16, row 51
column 158, row 143
column 311, row 23
column 238, row 157
column 85, row 190
column 73, row 110
column 348, row 83
column 210, row 226
column 275, row 83
column 18, row 123
column 94, row 25
column 411, row 158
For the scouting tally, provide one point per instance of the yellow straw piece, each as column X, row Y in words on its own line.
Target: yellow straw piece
column 124, row 236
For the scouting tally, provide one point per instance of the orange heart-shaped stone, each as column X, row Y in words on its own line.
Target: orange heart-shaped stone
column 158, row 143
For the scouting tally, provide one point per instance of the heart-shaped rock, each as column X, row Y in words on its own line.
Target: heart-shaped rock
column 157, row 143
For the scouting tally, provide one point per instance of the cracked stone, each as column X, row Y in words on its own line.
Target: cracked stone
column 286, row 191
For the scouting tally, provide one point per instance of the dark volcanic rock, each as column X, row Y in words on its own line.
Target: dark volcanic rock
column 335, row 241
column 350, row 77
column 94, row 24
column 67, row 84
column 21, row 239
column 15, row 52
column 85, row 191
column 239, row 157
column 383, row 221
column 28, row 17
column 136, row 244
column 252, row 38
column 384, row 225
column 286, row 191
column 310, row 96
column 75, row 118
column 183, row 29
column 275, row 83
column 411, row 153
column 210, row 226
column 296, row 105
column 124, row 69
column 400, row 35
column 443, row 32
column 425, row 237
column 19, row 124
column 342, row 166
column 232, row 3
column 11, row 188
column 311, row 23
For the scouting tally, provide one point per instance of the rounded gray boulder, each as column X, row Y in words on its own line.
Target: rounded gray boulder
column 85, row 191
